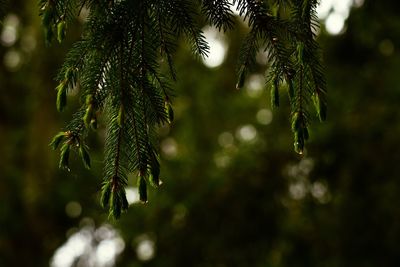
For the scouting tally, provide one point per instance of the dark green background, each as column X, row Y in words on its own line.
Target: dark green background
column 243, row 214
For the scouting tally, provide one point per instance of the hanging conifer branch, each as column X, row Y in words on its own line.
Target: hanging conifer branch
column 293, row 57
column 310, row 81
column 116, row 69
column 219, row 14
column 3, row 8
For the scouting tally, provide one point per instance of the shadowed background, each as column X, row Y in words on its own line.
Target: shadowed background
column 234, row 193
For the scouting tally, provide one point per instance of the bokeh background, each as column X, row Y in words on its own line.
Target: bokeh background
column 234, row 193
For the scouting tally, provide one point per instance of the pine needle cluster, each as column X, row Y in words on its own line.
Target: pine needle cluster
column 3, row 9
column 286, row 30
column 116, row 68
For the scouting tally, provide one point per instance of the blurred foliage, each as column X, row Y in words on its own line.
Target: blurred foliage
column 226, row 199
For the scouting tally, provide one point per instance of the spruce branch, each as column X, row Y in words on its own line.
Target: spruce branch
column 116, row 70
column 247, row 56
column 3, row 8
column 293, row 55
column 218, row 13
column 167, row 44
column 183, row 16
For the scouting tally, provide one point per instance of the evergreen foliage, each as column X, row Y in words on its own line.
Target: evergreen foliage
column 3, row 8
column 116, row 68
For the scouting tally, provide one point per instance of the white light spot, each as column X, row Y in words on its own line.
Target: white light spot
column 335, row 12
column 324, row 8
column 169, row 147
column 246, row 133
column 217, row 45
column 9, row 34
column 302, row 169
column 320, row 192
column 90, row 248
column 358, row 3
column 145, row 250
column 225, row 139
column 234, row 7
column 254, row 85
column 12, row 60
column 306, row 165
column 342, row 7
column 297, row 190
column 76, row 245
column 132, row 195
column 104, row 232
column 334, row 23
column 264, row 116
column 73, row 209
column 108, row 249
column 12, row 20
